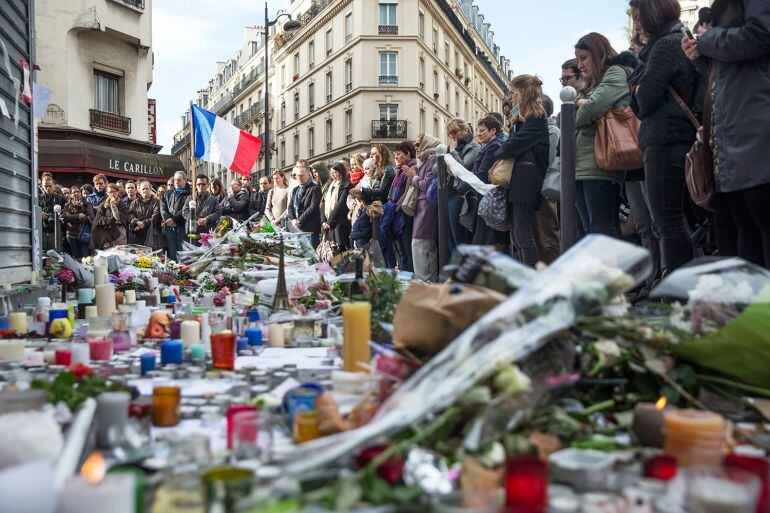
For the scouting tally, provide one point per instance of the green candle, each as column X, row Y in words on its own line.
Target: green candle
column 197, row 352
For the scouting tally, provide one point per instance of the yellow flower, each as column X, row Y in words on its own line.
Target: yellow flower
column 144, row 262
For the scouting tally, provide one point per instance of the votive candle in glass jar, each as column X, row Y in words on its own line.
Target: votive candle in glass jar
column 165, row 406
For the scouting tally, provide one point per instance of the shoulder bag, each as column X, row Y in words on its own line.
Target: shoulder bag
column 552, row 184
column 699, row 166
column 409, row 201
column 616, row 143
column 493, row 209
column 501, row 172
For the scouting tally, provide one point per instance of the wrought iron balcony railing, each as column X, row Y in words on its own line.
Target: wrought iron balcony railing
column 110, row 121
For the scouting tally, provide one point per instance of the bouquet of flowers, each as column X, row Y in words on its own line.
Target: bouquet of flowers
column 66, row 276
column 318, row 297
column 128, row 281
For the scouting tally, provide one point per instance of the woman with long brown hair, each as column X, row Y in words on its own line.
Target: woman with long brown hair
column 110, row 221
column 382, row 176
column 277, row 199
column 604, row 87
column 528, row 146
column 335, row 209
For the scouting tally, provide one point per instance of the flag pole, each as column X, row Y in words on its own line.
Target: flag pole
column 192, row 151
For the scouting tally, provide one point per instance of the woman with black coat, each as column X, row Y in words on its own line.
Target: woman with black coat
column 382, row 178
column 666, row 133
column 334, row 214
column 528, row 146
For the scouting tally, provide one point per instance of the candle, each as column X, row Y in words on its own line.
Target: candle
column 111, row 418
column 17, row 321
column 714, row 490
column 49, row 356
column 223, row 350
column 116, row 494
column 165, row 406
column 175, row 329
column 191, row 333
column 100, row 348
column 197, row 352
column 147, row 362
column 164, row 295
column 230, row 416
column 357, row 330
column 206, row 333
column 154, row 288
column 129, row 297
column 288, row 333
column 63, row 357
column 648, row 423
column 254, row 336
column 171, row 352
column 85, row 296
column 12, row 350
column 80, row 353
column 34, row 278
column 92, row 311
column 121, row 341
column 5, row 324
column 694, row 438
column 276, row 336
column 526, row 485
column 100, row 275
column 105, row 299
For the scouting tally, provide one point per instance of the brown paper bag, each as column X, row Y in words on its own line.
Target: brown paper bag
column 429, row 317
column 475, row 478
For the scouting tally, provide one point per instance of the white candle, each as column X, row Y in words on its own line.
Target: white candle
column 276, row 335
column 49, row 356
column 34, row 279
column 111, row 418
column 12, row 350
column 81, row 353
column 100, row 275
column 206, row 333
column 116, row 494
column 92, row 311
column 154, row 286
column 129, row 297
column 17, row 321
column 190, row 333
column 6, row 286
column 105, row 299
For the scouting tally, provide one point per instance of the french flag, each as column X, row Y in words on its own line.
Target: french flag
column 219, row 142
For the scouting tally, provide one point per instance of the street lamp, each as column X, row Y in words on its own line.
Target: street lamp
column 290, row 26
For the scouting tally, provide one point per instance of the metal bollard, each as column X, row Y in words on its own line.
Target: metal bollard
column 569, row 217
column 57, row 242
column 443, row 207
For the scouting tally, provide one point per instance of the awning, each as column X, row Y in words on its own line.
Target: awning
column 74, row 156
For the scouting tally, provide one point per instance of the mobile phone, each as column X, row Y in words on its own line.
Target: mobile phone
column 686, row 32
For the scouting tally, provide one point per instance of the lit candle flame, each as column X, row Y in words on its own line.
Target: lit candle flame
column 94, row 468
column 661, row 403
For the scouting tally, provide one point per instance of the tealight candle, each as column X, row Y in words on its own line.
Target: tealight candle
column 171, row 352
column 147, row 362
column 100, row 275
column 100, row 348
column 694, row 437
column 105, row 299
column 12, row 350
column 80, row 353
column 648, row 423
column 190, row 333
column 129, row 297
column 17, row 321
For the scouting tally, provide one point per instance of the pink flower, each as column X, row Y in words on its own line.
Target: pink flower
column 66, row 276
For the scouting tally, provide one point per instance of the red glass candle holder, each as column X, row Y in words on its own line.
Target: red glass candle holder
column 231, row 412
column 101, row 348
column 63, row 357
column 661, row 467
column 758, row 466
column 526, row 485
column 223, row 351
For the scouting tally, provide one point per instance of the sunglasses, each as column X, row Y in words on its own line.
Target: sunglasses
column 566, row 79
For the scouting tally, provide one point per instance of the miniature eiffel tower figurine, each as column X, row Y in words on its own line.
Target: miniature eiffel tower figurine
column 281, row 301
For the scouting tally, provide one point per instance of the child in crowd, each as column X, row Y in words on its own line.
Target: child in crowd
column 361, row 233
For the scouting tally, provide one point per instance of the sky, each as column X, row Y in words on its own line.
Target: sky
column 190, row 36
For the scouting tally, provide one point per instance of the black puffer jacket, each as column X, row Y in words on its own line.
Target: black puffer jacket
column 664, row 63
column 172, row 204
column 236, row 206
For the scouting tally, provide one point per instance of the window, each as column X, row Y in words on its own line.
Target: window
column 329, row 134
column 329, row 87
column 446, row 98
column 296, row 66
column 348, row 75
column 388, row 112
column 388, row 22
column 106, row 91
column 296, row 147
column 329, row 41
column 435, row 84
column 310, row 55
column 435, row 40
column 421, row 25
column 296, row 105
column 283, row 76
column 348, row 27
column 422, row 74
column 422, row 120
column 446, row 52
column 283, row 114
column 283, row 153
column 311, row 96
column 348, row 126
column 457, row 102
column 435, row 126
column 310, row 143
column 388, row 68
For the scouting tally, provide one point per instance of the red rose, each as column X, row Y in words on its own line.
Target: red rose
column 80, row 370
column 391, row 470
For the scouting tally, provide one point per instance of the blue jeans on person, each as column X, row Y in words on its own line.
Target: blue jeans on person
column 174, row 239
column 315, row 239
column 598, row 204
column 78, row 249
column 360, row 243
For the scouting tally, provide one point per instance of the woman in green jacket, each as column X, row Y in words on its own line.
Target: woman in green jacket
column 604, row 87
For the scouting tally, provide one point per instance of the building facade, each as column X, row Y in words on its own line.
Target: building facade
column 96, row 57
column 690, row 10
column 359, row 72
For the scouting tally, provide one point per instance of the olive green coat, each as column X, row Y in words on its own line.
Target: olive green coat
column 611, row 93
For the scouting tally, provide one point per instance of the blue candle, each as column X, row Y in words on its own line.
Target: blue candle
column 243, row 344
column 148, row 362
column 255, row 336
column 5, row 323
column 171, row 352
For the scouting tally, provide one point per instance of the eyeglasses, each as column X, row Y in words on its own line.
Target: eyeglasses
column 566, row 79
column 201, row 184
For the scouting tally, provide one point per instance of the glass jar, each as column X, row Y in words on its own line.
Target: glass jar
column 165, row 406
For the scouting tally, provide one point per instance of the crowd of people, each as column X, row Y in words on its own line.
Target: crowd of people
column 670, row 81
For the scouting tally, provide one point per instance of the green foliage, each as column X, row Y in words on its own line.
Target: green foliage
column 66, row 387
column 385, row 293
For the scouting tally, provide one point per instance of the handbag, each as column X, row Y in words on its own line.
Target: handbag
column 552, row 184
column 408, row 201
column 616, row 144
column 493, row 209
column 469, row 211
column 699, row 165
column 501, row 172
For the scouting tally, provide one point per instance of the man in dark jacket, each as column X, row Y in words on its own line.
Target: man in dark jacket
column 305, row 204
column 207, row 211
column 47, row 201
column 236, row 204
column 171, row 207
column 258, row 200
column 737, row 49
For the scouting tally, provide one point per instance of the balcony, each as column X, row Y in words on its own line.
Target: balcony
column 272, row 137
column 387, row 30
column 312, row 108
column 222, row 104
column 348, row 38
column 394, row 129
column 348, row 138
column 348, row 87
column 310, row 152
column 388, row 79
column 329, row 98
column 109, row 121
column 180, row 145
column 329, row 146
column 134, row 4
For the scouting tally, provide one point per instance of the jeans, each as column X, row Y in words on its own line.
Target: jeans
column 315, row 239
column 750, row 208
column 458, row 233
column 523, row 233
column 664, row 182
column 404, row 247
column 174, row 239
column 78, row 249
column 547, row 232
column 640, row 211
column 598, row 204
column 425, row 254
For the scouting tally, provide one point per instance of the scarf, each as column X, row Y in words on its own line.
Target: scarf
column 399, row 182
column 178, row 191
column 356, row 176
column 427, row 148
